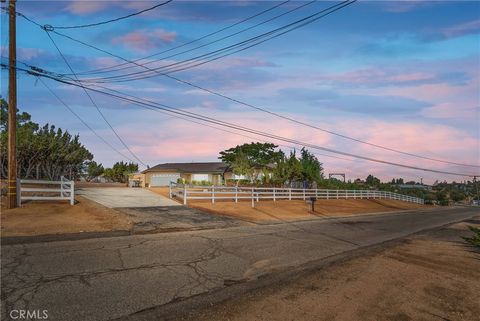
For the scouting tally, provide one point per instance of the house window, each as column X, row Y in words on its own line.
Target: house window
column 201, row 177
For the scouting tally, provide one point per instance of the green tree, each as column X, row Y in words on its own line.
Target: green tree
column 372, row 180
column 42, row 152
column 94, row 170
column 294, row 168
column 457, row 196
column 251, row 159
column 120, row 171
column 442, row 198
column 312, row 170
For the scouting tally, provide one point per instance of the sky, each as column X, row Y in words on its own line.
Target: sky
column 400, row 74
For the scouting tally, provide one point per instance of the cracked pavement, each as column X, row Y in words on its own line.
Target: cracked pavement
column 109, row 278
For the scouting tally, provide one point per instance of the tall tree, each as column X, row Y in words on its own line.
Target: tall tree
column 94, row 170
column 372, row 180
column 252, row 158
column 42, row 152
column 120, row 171
column 312, row 170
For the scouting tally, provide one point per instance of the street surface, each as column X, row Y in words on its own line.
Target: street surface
column 109, row 278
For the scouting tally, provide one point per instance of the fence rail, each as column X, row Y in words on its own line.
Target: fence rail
column 64, row 191
column 213, row 193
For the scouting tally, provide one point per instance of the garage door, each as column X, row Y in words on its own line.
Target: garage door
column 164, row 179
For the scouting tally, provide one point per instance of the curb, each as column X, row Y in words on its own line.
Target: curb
column 12, row 240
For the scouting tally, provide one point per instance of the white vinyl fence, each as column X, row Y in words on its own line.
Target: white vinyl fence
column 48, row 190
column 213, row 193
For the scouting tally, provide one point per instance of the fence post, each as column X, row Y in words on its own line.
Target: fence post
column 213, row 194
column 337, row 194
column 328, row 193
column 72, row 192
column 19, row 192
column 236, row 194
column 61, row 186
column 303, row 194
column 170, row 190
column 184, row 194
column 253, row 199
column 274, row 198
column 316, row 192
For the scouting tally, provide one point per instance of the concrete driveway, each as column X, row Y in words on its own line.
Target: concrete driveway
column 151, row 212
column 114, row 197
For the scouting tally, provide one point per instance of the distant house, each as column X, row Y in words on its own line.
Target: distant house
column 415, row 186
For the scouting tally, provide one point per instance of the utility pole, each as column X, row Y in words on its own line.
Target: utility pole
column 12, row 108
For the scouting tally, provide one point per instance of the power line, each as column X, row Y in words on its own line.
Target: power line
column 229, row 50
column 112, row 68
column 81, row 120
column 173, row 110
column 284, row 117
column 277, row 114
column 111, row 20
column 93, row 102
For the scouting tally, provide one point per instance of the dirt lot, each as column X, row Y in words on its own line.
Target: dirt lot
column 160, row 190
column 297, row 210
column 41, row 218
column 294, row 210
column 434, row 276
column 90, row 184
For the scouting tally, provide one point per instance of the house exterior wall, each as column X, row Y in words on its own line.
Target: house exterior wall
column 148, row 176
column 188, row 177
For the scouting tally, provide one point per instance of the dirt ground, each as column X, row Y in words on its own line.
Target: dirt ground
column 160, row 190
column 41, row 218
column 299, row 209
column 91, row 184
column 284, row 210
column 435, row 276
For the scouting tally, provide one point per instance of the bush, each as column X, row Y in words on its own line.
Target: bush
column 201, row 183
column 475, row 239
column 241, row 182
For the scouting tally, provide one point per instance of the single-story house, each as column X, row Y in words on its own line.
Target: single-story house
column 163, row 174
column 215, row 173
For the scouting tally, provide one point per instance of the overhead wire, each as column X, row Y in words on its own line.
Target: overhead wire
column 113, row 67
column 82, row 120
column 370, row 143
column 113, row 20
column 229, row 50
column 173, row 110
column 94, row 103
column 277, row 114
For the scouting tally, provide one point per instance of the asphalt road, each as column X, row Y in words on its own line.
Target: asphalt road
column 109, row 278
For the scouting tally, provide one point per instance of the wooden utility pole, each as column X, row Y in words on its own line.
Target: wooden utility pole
column 12, row 108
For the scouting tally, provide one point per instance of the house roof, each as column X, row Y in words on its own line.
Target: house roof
column 207, row 167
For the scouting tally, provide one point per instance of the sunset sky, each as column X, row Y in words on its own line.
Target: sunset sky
column 399, row 74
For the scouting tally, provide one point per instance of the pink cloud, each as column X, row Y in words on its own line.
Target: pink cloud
column 171, row 139
column 23, row 53
column 87, row 7
column 462, row 29
column 142, row 40
column 379, row 76
column 405, row 6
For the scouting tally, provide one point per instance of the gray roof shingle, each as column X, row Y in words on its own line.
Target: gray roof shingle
column 206, row 167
